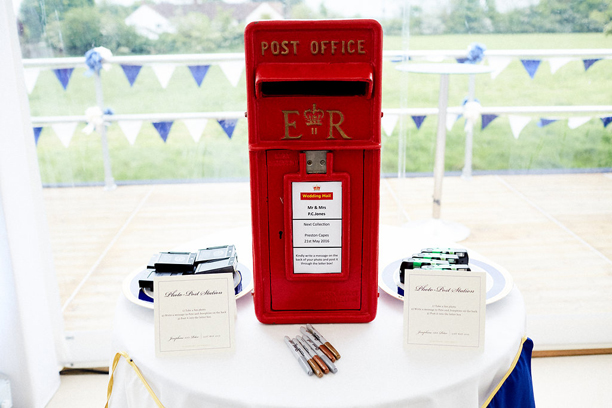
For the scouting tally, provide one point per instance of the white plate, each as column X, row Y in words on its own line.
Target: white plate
column 499, row 281
column 243, row 282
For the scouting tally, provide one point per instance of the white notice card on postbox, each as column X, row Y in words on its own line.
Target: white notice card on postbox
column 194, row 314
column 444, row 309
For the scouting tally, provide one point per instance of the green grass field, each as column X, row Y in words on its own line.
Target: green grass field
column 216, row 156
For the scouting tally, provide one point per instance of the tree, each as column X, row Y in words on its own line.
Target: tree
column 467, row 17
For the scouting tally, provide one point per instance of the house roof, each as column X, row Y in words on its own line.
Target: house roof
column 237, row 11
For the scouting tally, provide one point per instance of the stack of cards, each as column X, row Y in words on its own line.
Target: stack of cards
column 221, row 259
column 436, row 259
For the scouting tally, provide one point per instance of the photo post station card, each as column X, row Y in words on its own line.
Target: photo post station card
column 444, row 309
column 194, row 314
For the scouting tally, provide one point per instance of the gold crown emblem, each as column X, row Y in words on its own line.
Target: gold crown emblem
column 314, row 117
column 316, row 188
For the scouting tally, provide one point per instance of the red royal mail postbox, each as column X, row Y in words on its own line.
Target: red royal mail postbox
column 314, row 109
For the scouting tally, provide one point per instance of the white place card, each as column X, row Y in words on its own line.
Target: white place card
column 444, row 309
column 194, row 314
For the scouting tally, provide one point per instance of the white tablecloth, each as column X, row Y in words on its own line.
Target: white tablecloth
column 374, row 371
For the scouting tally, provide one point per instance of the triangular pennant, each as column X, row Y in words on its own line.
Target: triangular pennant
column 198, row 72
column 63, row 75
column 37, row 131
column 418, row 120
column 461, row 60
column 131, row 72
column 589, row 62
column 487, row 119
column 228, row 126
column 64, row 131
column 31, row 75
column 232, row 71
column 164, row 73
column 195, row 127
column 451, row 118
column 163, row 128
column 556, row 63
column 577, row 121
column 130, row 129
column 517, row 124
column 545, row 122
column 606, row 120
column 388, row 123
column 531, row 66
column 498, row 64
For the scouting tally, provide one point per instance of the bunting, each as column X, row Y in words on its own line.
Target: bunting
column 498, row 64
column 418, row 120
column 198, row 72
column 163, row 128
column 64, row 131
column 606, row 120
column 195, row 127
column 131, row 129
column 461, row 60
column 517, row 124
column 545, row 122
column 487, row 119
column 589, row 62
column 31, row 76
column 531, row 66
column 63, row 75
column 37, row 131
column 232, row 71
column 131, row 72
column 556, row 63
column 451, row 118
column 577, row 121
column 163, row 72
column 228, row 126
column 388, row 123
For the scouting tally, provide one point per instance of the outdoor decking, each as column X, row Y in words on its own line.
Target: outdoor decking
column 553, row 233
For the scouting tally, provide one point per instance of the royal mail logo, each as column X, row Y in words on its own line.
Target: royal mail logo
column 316, row 188
column 316, row 196
column 314, row 117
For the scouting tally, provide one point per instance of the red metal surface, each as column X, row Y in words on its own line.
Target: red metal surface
column 314, row 85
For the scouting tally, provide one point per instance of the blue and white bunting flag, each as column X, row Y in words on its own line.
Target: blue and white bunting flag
column 31, row 75
column 606, row 120
column 228, row 126
column 37, row 131
column 461, row 60
column 557, row 62
column 131, row 72
column 163, row 128
column 451, row 118
column 232, row 71
column 64, row 131
column 163, row 72
column 531, row 66
column 487, row 119
column 498, row 64
column 131, row 129
column 418, row 120
column 588, row 63
column 545, row 122
column 517, row 124
column 198, row 72
column 577, row 121
column 388, row 123
column 63, row 75
column 195, row 127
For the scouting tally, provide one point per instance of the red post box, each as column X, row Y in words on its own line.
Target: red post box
column 314, row 109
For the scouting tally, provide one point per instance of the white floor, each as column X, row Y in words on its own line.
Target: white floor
column 558, row 383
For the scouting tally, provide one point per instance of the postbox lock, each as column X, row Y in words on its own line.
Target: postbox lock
column 316, row 162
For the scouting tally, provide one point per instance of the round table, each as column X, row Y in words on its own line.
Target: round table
column 374, row 370
column 436, row 227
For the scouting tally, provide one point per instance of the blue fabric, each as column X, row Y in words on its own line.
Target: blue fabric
column 517, row 390
column 37, row 131
column 198, row 72
column 63, row 75
column 486, row 119
column 462, row 60
column 588, row 62
column 418, row 120
column 531, row 66
column 475, row 53
column 228, row 126
column 606, row 120
column 545, row 122
column 131, row 72
column 93, row 59
column 163, row 128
